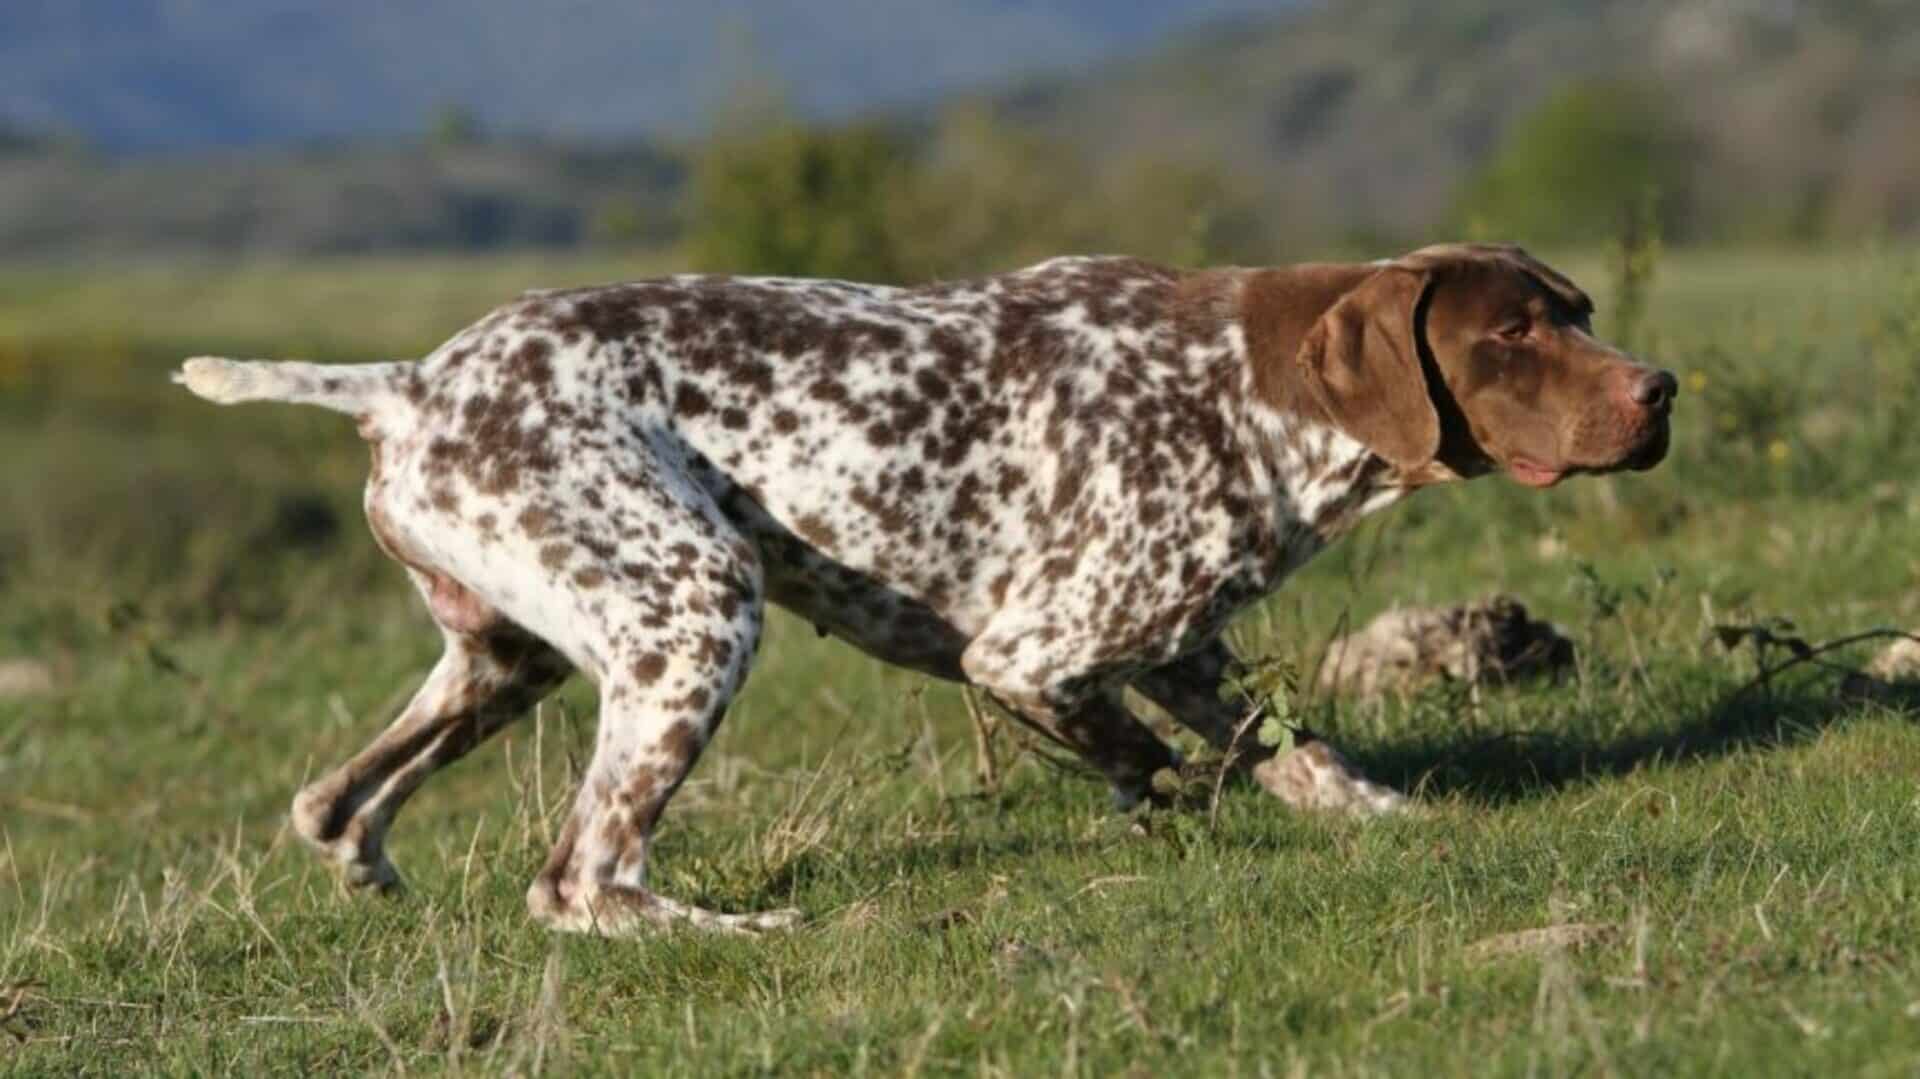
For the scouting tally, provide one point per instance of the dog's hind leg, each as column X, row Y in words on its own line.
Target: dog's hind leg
column 676, row 604
column 658, row 709
column 488, row 676
column 1020, row 666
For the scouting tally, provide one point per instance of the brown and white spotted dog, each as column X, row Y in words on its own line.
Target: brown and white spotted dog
column 1052, row 484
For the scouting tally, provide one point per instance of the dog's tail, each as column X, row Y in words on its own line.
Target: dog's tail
column 367, row 390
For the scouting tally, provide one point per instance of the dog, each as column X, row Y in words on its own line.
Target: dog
column 1051, row 484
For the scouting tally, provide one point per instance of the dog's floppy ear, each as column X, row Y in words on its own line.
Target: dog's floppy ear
column 1361, row 362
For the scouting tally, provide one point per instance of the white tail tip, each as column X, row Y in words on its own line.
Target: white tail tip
column 223, row 381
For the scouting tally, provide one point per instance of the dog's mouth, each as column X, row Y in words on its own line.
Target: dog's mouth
column 1650, row 451
column 1533, row 474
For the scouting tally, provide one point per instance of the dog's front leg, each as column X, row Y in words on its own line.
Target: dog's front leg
column 1310, row 775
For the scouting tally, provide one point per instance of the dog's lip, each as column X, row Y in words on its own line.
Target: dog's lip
column 1650, row 452
column 1533, row 474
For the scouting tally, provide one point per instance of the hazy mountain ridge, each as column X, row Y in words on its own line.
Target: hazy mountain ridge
column 1363, row 117
column 187, row 73
column 1353, row 123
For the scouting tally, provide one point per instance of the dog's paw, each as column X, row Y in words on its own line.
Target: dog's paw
column 1314, row 776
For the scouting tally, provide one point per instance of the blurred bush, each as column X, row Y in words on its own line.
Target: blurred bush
column 973, row 194
column 1572, row 171
column 796, row 200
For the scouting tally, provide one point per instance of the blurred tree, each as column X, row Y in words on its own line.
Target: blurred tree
column 990, row 196
column 1569, row 172
column 1186, row 214
column 993, row 195
column 809, row 201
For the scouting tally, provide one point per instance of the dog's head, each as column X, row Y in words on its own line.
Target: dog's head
column 1462, row 359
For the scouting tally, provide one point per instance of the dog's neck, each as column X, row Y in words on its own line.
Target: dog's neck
column 1276, row 310
column 1323, row 478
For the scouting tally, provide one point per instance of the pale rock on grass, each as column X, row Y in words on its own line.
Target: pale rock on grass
column 1893, row 676
column 1493, row 640
column 24, row 678
column 1900, row 662
column 1541, row 940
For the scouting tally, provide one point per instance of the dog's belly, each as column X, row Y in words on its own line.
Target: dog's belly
column 880, row 617
column 866, row 613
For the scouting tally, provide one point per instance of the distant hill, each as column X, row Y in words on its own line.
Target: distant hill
column 346, row 198
column 173, row 74
column 1362, row 117
column 1349, row 122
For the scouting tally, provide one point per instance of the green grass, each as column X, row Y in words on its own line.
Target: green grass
column 219, row 628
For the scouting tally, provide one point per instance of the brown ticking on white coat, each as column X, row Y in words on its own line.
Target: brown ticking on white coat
column 1052, row 484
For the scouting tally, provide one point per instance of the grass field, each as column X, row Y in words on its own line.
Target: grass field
column 217, row 626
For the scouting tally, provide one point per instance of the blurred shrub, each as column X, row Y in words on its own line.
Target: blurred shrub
column 975, row 194
column 1569, row 173
column 1892, row 342
column 1752, row 395
column 989, row 195
column 1815, row 415
column 1635, row 258
column 794, row 200
column 1188, row 214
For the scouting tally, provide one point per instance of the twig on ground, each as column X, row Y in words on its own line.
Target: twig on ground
column 1232, row 756
column 985, row 765
column 1802, row 651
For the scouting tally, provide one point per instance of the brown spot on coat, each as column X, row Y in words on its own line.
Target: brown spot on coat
column 690, row 402
column 537, row 522
column 648, row 668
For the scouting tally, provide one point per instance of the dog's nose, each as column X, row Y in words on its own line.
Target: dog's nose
column 1656, row 390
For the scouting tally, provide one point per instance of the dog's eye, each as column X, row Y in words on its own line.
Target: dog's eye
column 1514, row 329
